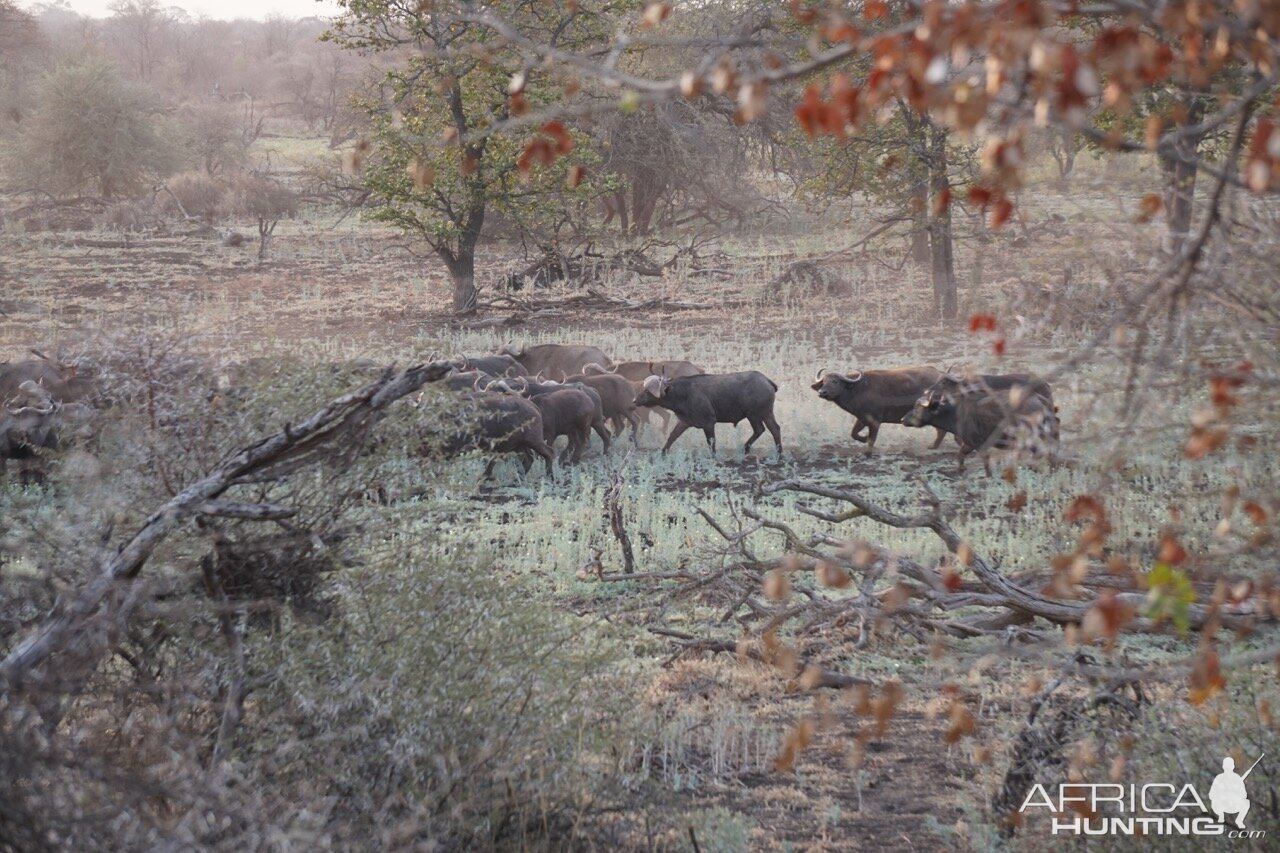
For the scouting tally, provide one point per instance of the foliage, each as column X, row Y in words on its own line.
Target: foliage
column 92, row 131
column 459, row 81
column 395, row 696
column 216, row 135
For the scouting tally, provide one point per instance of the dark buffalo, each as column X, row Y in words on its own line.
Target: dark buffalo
column 876, row 397
column 985, row 420
column 715, row 398
column 556, row 361
column 618, row 397
column 936, row 407
column 503, row 424
column 30, row 424
column 63, row 384
column 532, row 388
column 568, row 411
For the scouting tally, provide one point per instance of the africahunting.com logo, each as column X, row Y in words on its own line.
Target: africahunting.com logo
column 1152, row 809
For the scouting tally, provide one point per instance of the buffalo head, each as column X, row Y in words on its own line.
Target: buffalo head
column 831, row 385
column 653, row 390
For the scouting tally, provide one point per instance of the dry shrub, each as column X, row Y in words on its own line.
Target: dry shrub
column 408, row 698
column 193, row 194
column 804, row 280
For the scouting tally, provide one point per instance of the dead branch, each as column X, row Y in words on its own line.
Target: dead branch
column 613, row 512
column 816, row 677
column 66, row 632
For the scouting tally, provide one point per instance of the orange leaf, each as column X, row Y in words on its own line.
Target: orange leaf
column 1206, row 678
column 1086, row 506
column 1171, row 551
column 1150, row 205
column 1001, row 213
column 942, row 201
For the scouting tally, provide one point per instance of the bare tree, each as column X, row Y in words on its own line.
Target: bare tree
column 266, row 200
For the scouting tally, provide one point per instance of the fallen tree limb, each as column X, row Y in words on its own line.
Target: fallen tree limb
column 814, row 676
column 66, row 630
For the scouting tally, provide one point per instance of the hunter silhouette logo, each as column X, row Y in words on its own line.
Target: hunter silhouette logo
column 1151, row 808
column 1227, row 794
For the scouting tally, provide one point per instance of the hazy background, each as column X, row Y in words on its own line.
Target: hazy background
column 227, row 10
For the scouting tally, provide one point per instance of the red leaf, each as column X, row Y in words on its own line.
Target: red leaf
column 998, row 347
column 982, row 322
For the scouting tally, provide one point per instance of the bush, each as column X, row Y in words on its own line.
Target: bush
column 394, row 696
column 193, row 194
column 63, row 149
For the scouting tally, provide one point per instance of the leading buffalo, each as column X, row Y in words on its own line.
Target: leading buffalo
column 876, row 397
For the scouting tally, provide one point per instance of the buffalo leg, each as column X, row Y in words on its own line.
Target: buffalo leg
column 757, row 430
column 598, row 426
column 549, row 456
column 710, row 433
column 858, row 426
column 776, row 431
column 937, row 441
column 680, row 427
column 583, row 439
column 873, row 430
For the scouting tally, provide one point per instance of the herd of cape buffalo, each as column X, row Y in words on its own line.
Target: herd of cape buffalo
column 526, row 398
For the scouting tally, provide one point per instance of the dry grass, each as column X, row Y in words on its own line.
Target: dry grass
column 342, row 290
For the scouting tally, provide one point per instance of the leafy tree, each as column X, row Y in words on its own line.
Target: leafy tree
column 92, row 130
column 456, row 81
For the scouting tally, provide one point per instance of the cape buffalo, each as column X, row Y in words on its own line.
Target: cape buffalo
column 618, row 397
column 638, row 371
column 708, row 399
column 985, row 420
column 503, row 424
column 556, row 361
column 876, row 397
column 570, row 412
column 494, row 365
column 936, row 407
column 532, row 389
column 63, row 384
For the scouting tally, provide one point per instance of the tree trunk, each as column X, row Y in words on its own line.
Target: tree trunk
column 462, row 270
column 1180, row 179
column 942, row 260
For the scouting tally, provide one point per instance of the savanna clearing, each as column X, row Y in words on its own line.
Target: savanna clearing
column 683, row 743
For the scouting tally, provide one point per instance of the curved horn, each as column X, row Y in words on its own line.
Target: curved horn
column 37, row 390
column 818, row 377
column 851, row 377
column 654, row 385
